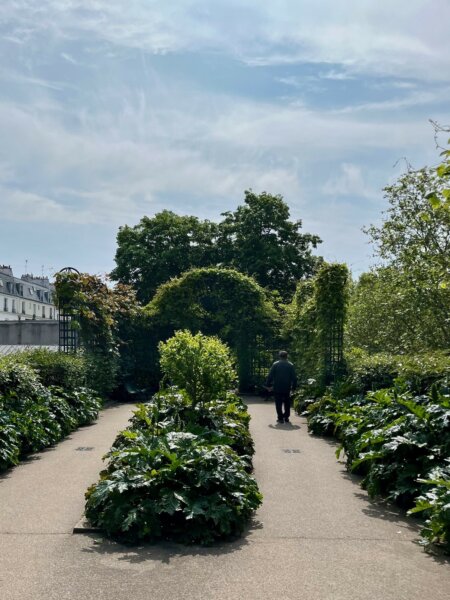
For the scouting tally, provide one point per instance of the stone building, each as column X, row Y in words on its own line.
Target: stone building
column 27, row 298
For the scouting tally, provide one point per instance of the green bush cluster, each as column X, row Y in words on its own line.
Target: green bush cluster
column 392, row 437
column 33, row 416
column 371, row 372
column 180, row 471
column 67, row 371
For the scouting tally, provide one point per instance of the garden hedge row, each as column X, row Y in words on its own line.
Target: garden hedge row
column 40, row 403
column 399, row 441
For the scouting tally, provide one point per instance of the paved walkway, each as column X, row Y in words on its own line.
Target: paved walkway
column 316, row 536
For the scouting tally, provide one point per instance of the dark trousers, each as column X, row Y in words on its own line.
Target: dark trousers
column 280, row 399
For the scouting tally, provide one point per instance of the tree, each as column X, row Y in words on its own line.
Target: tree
column 162, row 247
column 414, row 241
column 259, row 239
column 388, row 313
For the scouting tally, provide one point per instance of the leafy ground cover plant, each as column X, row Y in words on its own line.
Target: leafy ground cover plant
column 435, row 503
column 173, row 486
column 180, row 471
column 394, row 439
column 32, row 416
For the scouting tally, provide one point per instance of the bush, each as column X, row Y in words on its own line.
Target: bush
column 181, row 469
column 173, row 487
column 33, row 416
column 199, row 364
column 377, row 371
column 436, row 504
column 67, row 371
column 390, row 436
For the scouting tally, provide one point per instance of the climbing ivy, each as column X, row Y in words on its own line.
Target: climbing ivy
column 102, row 316
column 315, row 323
column 215, row 301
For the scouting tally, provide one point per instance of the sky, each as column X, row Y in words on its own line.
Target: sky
column 112, row 110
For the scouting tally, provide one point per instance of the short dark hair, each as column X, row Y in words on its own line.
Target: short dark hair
column 282, row 354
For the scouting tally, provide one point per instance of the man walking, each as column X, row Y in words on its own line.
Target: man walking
column 282, row 379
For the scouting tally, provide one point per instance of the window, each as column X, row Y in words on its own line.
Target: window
column 43, row 312
column 23, row 308
column 34, row 310
column 13, row 309
column 1, row 282
column 5, row 304
column 51, row 313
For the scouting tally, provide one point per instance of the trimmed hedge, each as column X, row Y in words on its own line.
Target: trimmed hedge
column 55, row 368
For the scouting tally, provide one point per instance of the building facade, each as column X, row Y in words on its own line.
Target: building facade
column 26, row 298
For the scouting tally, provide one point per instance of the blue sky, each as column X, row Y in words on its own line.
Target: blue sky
column 113, row 110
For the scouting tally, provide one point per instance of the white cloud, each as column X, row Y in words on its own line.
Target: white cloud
column 349, row 182
column 407, row 38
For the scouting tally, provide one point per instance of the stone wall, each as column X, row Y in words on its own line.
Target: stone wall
column 33, row 333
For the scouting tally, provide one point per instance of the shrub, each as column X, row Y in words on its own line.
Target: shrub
column 33, row 416
column 377, row 371
column 173, row 487
column 390, row 436
column 181, row 469
column 199, row 364
column 436, row 504
column 67, row 371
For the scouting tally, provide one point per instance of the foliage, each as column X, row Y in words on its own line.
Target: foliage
column 371, row 372
column 395, row 439
column 315, row 323
column 219, row 302
column 176, row 487
column 199, row 364
column 435, row 502
column 259, row 239
column 180, row 471
column 33, row 416
column 160, row 248
column 389, row 312
column 103, row 317
column 224, row 421
column 414, row 240
column 67, row 371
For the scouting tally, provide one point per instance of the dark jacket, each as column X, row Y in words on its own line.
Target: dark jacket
column 282, row 377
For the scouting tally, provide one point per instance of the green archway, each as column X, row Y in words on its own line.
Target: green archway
column 220, row 302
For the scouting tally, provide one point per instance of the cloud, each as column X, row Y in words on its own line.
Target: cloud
column 349, row 182
column 399, row 37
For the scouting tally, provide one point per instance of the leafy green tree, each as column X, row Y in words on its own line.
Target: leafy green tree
column 388, row 313
column 162, row 247
column 414, row 241
column 259, row 239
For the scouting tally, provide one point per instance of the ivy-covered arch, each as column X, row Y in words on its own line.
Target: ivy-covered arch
column 215, row 301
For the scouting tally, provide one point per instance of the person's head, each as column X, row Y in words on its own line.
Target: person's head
column 283, row 354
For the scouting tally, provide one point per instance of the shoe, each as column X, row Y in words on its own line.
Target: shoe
column 280, row 421
column 286, row 421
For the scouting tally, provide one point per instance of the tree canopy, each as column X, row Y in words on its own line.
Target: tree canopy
column 258, row 239
column 162, row 247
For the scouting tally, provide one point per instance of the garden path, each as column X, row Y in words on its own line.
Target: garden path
column 316, row 536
